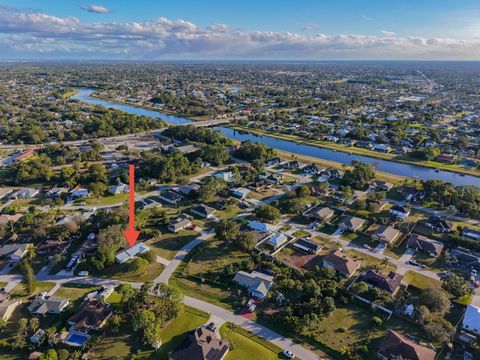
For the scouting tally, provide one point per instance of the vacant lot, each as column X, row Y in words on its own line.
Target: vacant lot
column 168, row 244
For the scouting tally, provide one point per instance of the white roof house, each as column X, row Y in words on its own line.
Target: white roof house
column 471, row 320
column 277, row 240
column 261, row 227
column 128, row 254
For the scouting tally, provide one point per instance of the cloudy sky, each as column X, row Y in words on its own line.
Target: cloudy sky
column 261, row 29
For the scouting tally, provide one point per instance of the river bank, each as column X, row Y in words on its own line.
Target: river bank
column 360, row 151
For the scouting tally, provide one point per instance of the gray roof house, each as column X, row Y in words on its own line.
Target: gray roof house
column 257, row 283
column 42, row 306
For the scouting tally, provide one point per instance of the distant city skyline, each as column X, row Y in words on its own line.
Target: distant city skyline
column 247, row 30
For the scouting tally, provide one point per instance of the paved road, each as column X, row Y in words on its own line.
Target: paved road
column 173, row 264
column 253, row 327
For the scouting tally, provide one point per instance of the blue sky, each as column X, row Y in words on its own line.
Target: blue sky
column 282, row 29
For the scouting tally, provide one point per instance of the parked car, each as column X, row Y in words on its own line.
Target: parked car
column 252, row 308
column 289, row 354
column 250, row 302
column 83, row 273
column 367, row 246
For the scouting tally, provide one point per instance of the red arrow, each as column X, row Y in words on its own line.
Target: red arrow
column 131, row 234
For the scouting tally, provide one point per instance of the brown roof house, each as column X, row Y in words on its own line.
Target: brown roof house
column 386, row 234
column 92, row 315
column 395, row 346
column 351, row 223
column 324, row 213
column 423, row 244
column 202, row 344
column 389, row 283
column 340, row 263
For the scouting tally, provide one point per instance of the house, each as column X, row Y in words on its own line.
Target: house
column 375, row 205
column 202, row 344
column 257, row 283
column 187, row 190
column 292, row 165
column 128, row 254
column 79, row 193
column 203, row 211
column 324, row 214
column 240, row 193
column 399, row 212
column 261, row 227
column 275, row 162
column 379, row 185
column 92, row 315
column 332, row 174
column 38, row 337
column 446, row 158
column 438, row 224
column 411, row 193
column 423, row 244
column 277, row 240
column 386, row 234
column 56, row 193
column 6, row 219
column 171, row 197
column 120, row 188
column 351, row 223
column 307, row 246
column 7, row 308
column 312, row 170
column 337, row 261
column 390, row 283
column 42, row 306
column 52, row 247
column 15, row 252
column 227, row 176
column 181, row 223
column 464, row 258
column 25, row 193
column 382, row 148
column 396, row 346
column 470, row 234
column 101, row 294
column 471, row 320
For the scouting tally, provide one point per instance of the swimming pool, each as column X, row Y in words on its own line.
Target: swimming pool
column 76, row 339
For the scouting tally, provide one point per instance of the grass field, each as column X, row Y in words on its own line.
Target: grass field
column 168, row 244
column 213, row 256
column 247, row 346
column 420, row 281
column 20, row 292
column 74, row 291
column 121, row 272
column 369, row 262
column 105, row 200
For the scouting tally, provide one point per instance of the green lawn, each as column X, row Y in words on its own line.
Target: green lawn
column 370, row 262
column 105, row 200
column 74, row 291
column 19, row 290
column 190, row 275
column 120, row 272
column 125, row 345
column 420, row 281
column 168, row 244
column 247, row 346
column 228, row 213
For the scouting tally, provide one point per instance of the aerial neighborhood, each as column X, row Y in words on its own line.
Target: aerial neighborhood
column 284, row 211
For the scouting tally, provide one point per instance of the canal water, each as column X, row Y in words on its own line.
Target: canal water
column 386, row 166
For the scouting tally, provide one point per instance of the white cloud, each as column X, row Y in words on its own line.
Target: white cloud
column 31, row 34
column 388, row 33
column 309, row 26
column 366, row 17
column 96, row 9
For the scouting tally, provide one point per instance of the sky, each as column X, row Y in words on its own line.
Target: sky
column 236, row 30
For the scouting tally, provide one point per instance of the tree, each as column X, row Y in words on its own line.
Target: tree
column 227, row 231
column 456, row 285
column 20, row 339
column 436, row 300
column 267, row 213
column 303, row 191
column 63, row 354
column 217, row 155
column 421, row 314
column 97, row 173
column 50, row 354
column 246, row 240
column 97, row 188
column 439, row 329
column 211, row 188
column 138, row 266
column 146, row 324
column 149, row 256
column 28, row 277
column 34, row 324
column 359, row 288
column 377, row 322
column 360, row 176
